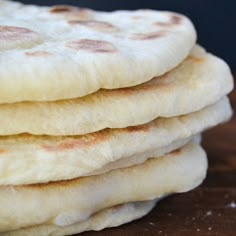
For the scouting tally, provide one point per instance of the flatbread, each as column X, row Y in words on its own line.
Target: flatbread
column 26, row 159
column 39, row 166
column 199, row 81
column 111, row 217
column 69, row 202
column 66, row 52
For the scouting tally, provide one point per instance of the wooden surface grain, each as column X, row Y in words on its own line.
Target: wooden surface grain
column 208, row 210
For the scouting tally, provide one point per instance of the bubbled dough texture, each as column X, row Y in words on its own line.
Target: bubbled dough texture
column 67, row 52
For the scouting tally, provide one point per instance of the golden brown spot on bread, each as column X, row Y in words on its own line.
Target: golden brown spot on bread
column 161, row 24
column 138, row 128
column 68, row 145
column 95, row 46
column 64, row 146
column 96, row 25
column 12, row 33
column 61, row 9
column 72, row 13
column 177, row 151
column 79, row 142
column 38, row 54
column 2, row 151
column 174, row 20
column 148, row 36
column 195, row 59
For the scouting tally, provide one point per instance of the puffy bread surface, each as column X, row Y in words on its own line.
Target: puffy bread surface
column 68, row 52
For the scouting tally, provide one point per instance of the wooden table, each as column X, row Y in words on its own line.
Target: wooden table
column 208, row 210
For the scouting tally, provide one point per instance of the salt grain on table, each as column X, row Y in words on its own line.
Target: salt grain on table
column 232, row 205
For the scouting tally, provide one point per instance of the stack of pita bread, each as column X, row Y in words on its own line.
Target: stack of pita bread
column 101, row 115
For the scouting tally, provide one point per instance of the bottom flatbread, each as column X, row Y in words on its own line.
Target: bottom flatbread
column 107, row 218
column 68, row 202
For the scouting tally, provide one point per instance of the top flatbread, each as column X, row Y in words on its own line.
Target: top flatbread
column 65, row 52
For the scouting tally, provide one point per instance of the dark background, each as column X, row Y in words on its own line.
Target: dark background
column 215, row 20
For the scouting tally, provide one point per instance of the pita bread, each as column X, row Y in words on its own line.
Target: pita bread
column 26, row 159
column 67, row 52
column 69, row 202
column 181, row 91
column 40, row 168
column 107, row 218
